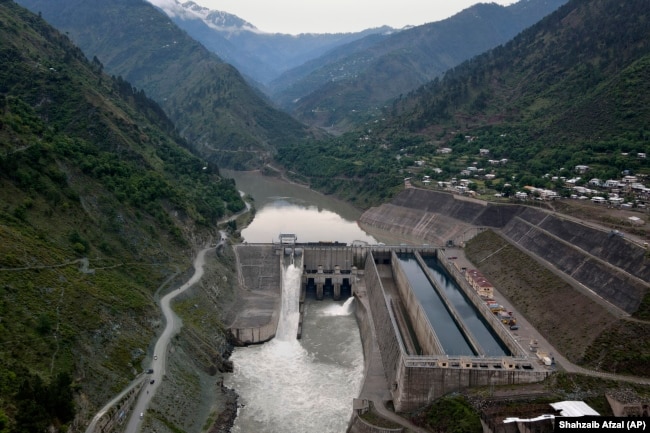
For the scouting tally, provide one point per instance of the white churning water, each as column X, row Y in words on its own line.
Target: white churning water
column 297, row 386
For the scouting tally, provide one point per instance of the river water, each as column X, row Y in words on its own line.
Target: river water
column 283, row 207
column 307, row 385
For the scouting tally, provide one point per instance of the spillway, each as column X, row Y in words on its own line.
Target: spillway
column 291, row 386
column 452, row 339
column 471, row 317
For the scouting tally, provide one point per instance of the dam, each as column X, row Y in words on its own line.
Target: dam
column 434, row 333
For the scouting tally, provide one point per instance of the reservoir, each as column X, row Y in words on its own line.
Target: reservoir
column 282, row 207
column 288, row 385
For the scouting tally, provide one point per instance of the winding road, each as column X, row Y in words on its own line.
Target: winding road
column 173, row 326
column 159, row 363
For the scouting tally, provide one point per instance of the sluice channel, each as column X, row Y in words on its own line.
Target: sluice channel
column 475, row 322
column 452, row 339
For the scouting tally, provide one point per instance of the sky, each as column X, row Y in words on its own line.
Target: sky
column 334, row 16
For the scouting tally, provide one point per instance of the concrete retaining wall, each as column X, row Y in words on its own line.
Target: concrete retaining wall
column 418, row 386
column 365, row 323
column 504, row 334
column 429, row 343
column 600, row 276
column 256, row 315
column 329, row 257
column 389, row 342
column 358, row 425
column 415, row 381
column 609, row 265
column 431, row 228
column 255, row 335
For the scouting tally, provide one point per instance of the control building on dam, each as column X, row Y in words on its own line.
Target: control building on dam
column 432, row 339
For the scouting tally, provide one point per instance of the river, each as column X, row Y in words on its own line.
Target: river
column 289, row 385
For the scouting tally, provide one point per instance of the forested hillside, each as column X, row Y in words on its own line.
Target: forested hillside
column 356, row 80
column 100, row 202
column 219, row 114
column 568, row 91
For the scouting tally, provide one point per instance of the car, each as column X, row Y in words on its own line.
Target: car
column 155, row 357
column 150, row 371
column 141, row 415
column 152, row 381
column 514, row 327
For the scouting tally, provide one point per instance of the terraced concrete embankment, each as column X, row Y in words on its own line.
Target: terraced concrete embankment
column 606, row 263
column 609, row 265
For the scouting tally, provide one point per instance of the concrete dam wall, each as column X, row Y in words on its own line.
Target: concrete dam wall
column 416, row 373
column 608, row 264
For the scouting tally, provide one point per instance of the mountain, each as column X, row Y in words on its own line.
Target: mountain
column 220, row 115
column 101, row 203
column 259, row 55
column 568, row 91
column 353, row 82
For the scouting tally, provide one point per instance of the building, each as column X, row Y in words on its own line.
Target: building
column 481, row 284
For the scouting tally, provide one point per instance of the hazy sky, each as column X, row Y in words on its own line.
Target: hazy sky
column 332, row 16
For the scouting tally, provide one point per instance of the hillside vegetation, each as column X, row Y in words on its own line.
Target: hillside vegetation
column 355, row 81
column 568, row 91
column 218, row 113
column 100, row 202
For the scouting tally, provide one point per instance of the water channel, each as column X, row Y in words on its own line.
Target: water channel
column 451, row 338
column 289, row 385
column 475, row 322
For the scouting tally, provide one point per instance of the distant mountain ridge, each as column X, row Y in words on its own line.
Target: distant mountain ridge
column 352, row 82
column 262, row 56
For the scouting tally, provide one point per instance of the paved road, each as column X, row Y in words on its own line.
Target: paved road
column 110, row 404
column 159, row 363
column 173, row 325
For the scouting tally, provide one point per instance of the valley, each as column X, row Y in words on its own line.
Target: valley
column 515, row 135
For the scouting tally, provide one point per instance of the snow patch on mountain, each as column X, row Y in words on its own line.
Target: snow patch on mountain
column 217, row 20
